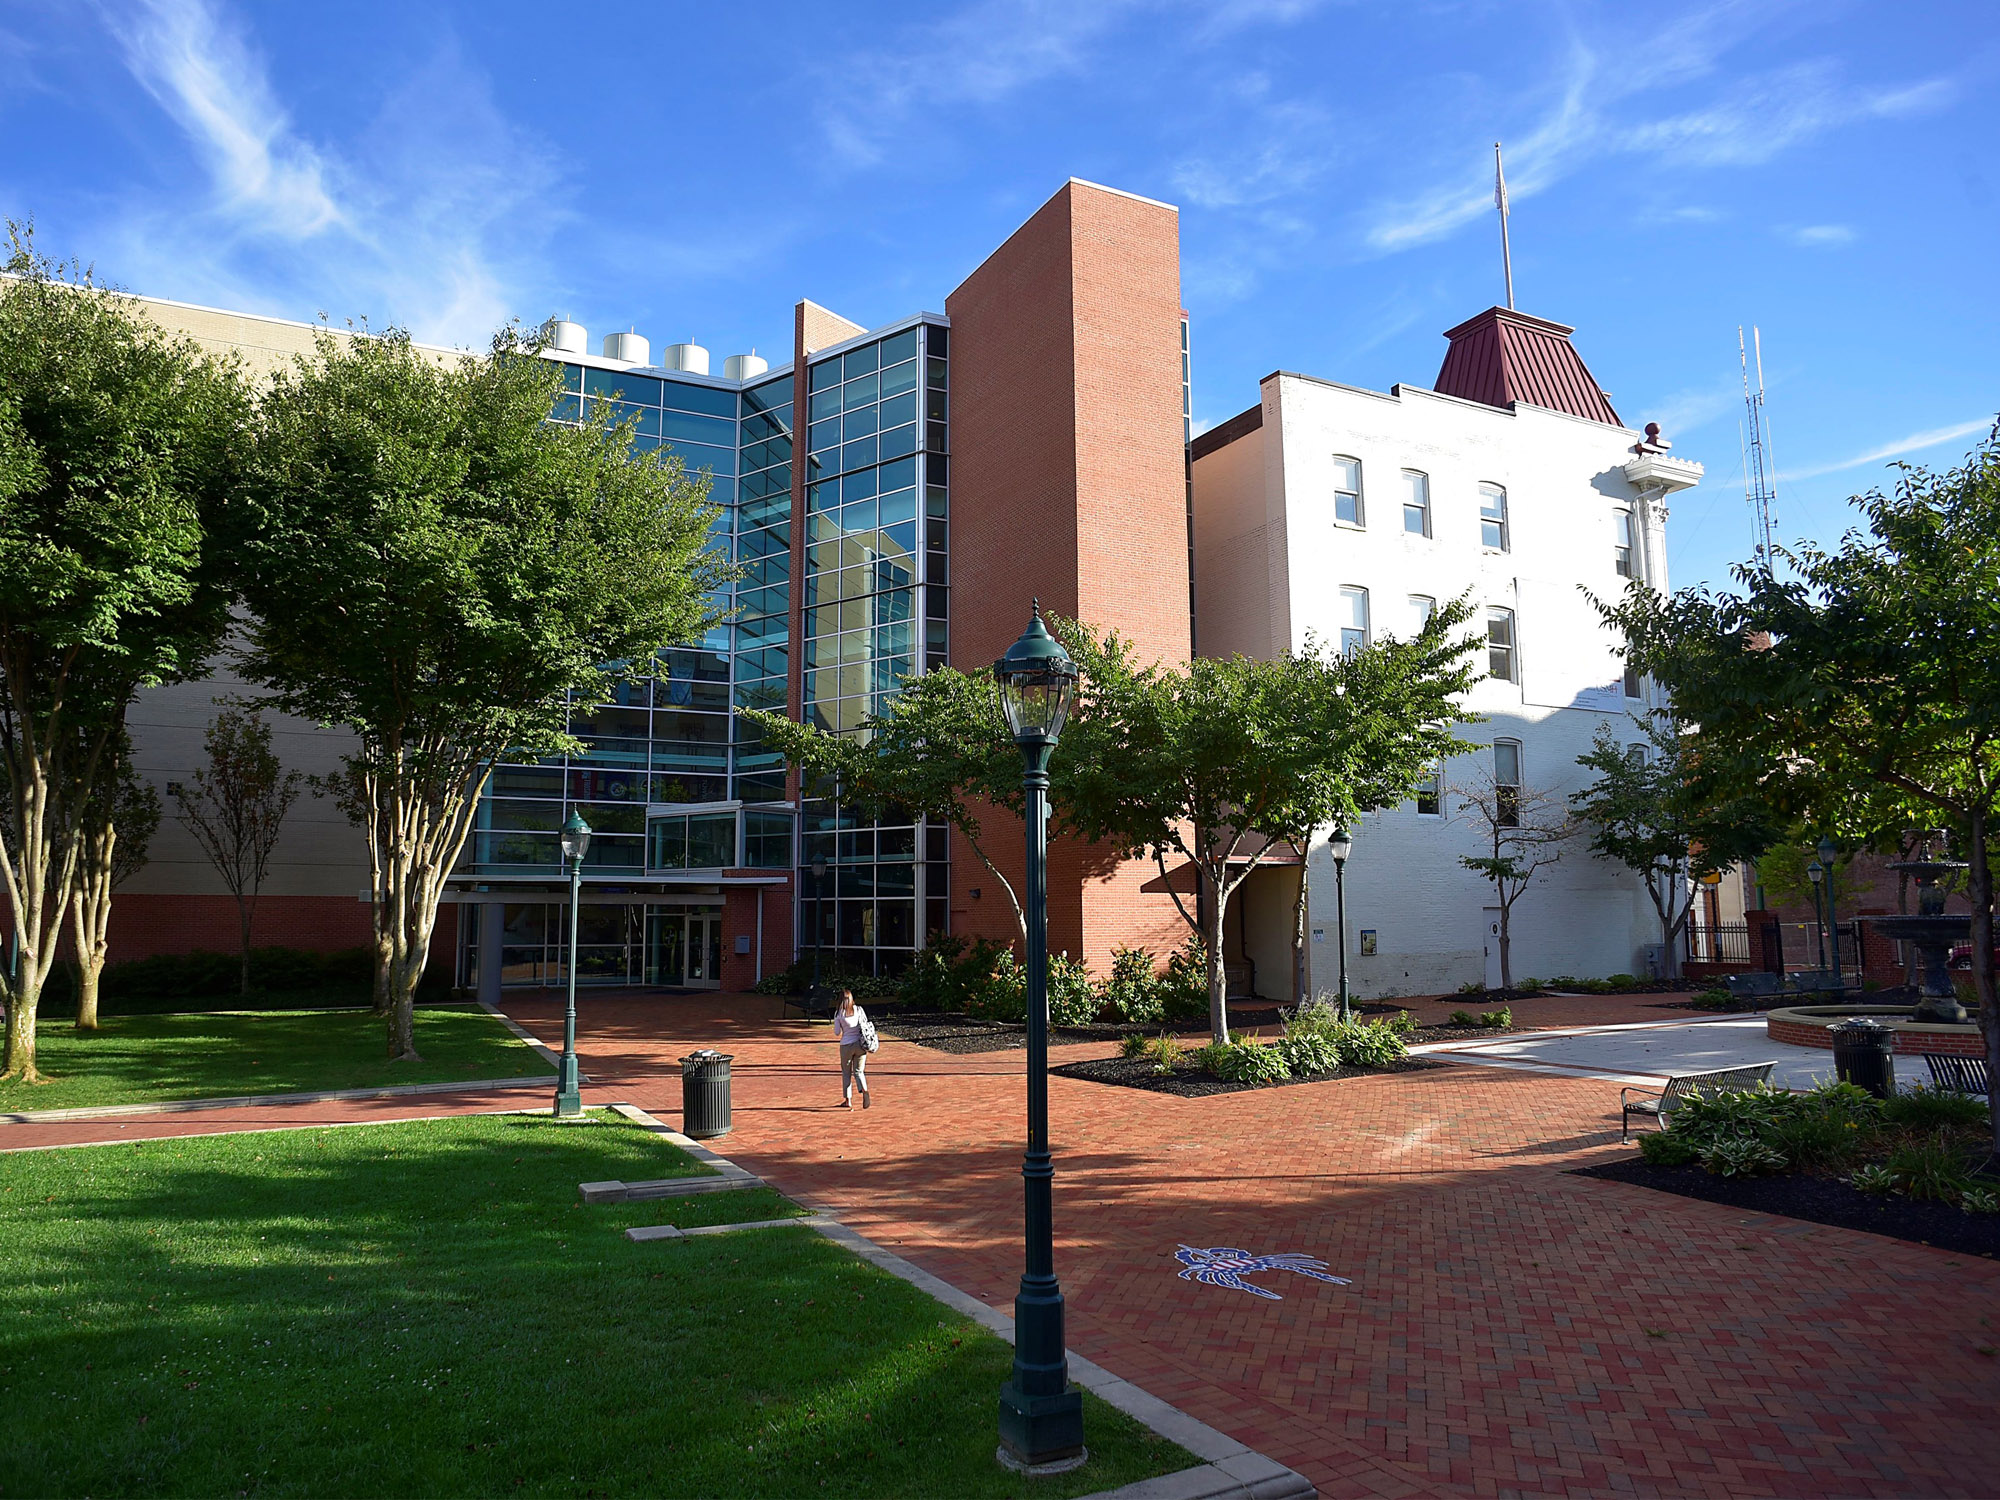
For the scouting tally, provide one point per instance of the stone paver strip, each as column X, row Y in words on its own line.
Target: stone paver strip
column 249, row 1101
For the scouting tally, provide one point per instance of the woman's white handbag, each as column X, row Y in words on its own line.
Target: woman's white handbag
column 869, row 1041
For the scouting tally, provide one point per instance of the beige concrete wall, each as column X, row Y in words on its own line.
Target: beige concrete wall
column 1235, row 590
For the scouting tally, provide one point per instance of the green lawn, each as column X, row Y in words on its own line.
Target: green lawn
column 135, row 1059
column 426, row 1309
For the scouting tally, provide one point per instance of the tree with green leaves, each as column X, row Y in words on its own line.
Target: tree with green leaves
column 431, row 563
column 235, row 806
column 1525, row 829
column 114, row 833
column 1858, row 689
column 939, row 750
column 116, row 446
column 1651, row 810
column 1223, row 763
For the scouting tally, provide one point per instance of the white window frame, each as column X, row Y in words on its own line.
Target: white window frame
column 1488, row 490
column 1508, row 818
column 1416, row 482
column 1360, row 521
column 1625, row 552
column 1350, row 595
column 1434, row 790
column 1512, row 648
column 1422, row 607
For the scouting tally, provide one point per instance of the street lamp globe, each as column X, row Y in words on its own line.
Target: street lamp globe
column 1828, row 852
column 1037, row 682
column 1815, row 872
column 1340, row 845
column 575, row 839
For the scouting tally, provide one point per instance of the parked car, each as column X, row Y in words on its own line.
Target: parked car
column 1961, row 957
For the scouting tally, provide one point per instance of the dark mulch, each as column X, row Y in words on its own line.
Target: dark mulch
column 1194, row 1083
column 1822, row 1200
column 949, row 1033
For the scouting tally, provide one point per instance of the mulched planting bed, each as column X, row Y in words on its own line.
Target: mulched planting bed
column 1191, row 1083
column 1821, row 1200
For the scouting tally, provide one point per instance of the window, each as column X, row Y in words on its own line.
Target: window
column 1493, row 517
column 1347, row 491
column 1632, row 689
column 1422, row 607
column 1500, row 643
column 1635, row 755
column 1507, row 783
column 1353, row 621
column 1430, row 795
column 1621, row 549
column 1416, row 503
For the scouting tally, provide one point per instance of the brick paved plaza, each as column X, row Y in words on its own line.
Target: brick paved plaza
column 1510, row 1329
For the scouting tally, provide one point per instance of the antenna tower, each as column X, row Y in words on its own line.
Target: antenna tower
column 1760, row 472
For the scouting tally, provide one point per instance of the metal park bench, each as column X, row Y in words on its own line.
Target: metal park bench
column 1960, row 1075
column 1663, row 1102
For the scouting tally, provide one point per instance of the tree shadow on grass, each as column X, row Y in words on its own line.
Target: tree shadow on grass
column 427, row 1309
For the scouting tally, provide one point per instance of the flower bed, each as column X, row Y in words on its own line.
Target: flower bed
column 1188, row 1082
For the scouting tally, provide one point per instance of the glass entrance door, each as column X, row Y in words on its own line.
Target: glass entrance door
column 684, row 948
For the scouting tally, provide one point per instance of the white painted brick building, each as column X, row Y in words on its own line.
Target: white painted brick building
column 1328, row 509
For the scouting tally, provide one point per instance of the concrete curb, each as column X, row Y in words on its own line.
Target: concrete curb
column 549, row 1055
column 669, row 1232
column 1230, row 1470
column 245, row 1101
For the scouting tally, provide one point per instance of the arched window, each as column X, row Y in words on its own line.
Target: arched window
column 1347, row 491
column 1493, row 517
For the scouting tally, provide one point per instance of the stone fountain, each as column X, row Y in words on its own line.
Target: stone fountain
column 1933, row 930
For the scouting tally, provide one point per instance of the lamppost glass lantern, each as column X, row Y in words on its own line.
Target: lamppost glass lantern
column 575, row 839
column 1340, row 845
column 1829, row 852
column 1037, row 684
column 1816, row 873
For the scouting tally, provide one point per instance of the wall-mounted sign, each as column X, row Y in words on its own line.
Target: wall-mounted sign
column 1367, row 940
column 1319, row 934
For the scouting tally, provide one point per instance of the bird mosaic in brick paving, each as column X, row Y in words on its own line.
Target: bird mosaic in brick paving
column 1219, row 1265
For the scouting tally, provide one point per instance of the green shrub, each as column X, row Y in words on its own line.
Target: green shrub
column 1133, row 993
column 1503, row 1017
column 1979, row 1200
column 1849, row 1100
column 1209, row 1057
column 1927, row 1108
column 1165, row 1051
column 1371, row 1046
column 1184, row 992
column 1073, row 999
column 833, row 975
column 1741, row 1156
column 1931, row 1168
column 1623, row 981
column 1472, row 987
column 1249, row 1062
column 1814, row 1140
column 1707, row 1118
column 1664, row 1149
column 1133, row 1045
column 1310, row 1052
column 1527, row 986
column 1713, row 1000
column 1463, row 1018
column 1402, row 1023
column 950, row 973
column 1873, row 1179
column 1004, row 995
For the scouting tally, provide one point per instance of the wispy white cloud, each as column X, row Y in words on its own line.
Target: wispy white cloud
column 1916, row 442
column 206, row 77
column 1817, row 235
column 1590, row 116
column 1691, row 409
column 430, row 218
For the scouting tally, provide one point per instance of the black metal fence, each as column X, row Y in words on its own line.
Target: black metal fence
column 1722, row 943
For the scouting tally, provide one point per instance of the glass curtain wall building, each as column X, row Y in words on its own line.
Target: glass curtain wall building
column 876, row 614
column 677, row 792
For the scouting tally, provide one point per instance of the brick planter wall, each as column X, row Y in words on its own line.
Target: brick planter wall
column 1951, row 1042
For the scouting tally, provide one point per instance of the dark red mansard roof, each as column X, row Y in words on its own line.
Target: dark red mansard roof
column 1502, row 356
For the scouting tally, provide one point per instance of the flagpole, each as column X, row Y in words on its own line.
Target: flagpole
column 1500, row 202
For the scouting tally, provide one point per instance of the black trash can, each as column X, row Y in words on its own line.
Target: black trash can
column 705, row 1094
column 1862, row 1053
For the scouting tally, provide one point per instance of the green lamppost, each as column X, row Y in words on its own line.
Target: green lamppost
column 1816, row 873
column 575, row 842
column 1340, row 845
column 1827, row 855
column 1041, row 1415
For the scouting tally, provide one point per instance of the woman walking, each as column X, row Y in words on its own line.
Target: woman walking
column 856, row 1035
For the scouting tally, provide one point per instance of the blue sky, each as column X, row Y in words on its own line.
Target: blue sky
column 1824, row 170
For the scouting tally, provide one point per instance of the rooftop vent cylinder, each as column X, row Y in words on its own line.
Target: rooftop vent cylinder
column 745, row 366
column 566, row 337
column 689, row 357
column 630, row 348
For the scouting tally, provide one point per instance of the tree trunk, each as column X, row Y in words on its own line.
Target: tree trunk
column 1981, row 881
column 243, row 945
column 1218, row 977
column 90, row 931
column 1300, row 985
column 1506, row 941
